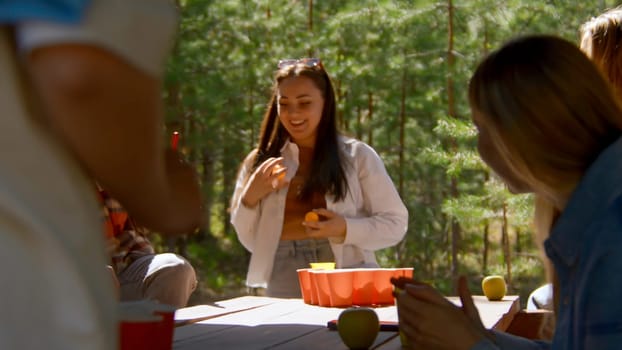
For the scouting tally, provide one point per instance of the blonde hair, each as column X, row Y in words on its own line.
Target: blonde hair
column 548, row 110
column 600, row 39
column 549, row 113
column 545, row 215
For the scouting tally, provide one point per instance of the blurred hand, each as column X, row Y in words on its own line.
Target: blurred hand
column 430, row 321
column 330, row 225
column 468, row 307
column 267, row 178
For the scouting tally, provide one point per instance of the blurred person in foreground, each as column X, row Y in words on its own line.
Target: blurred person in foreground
column 302, row 164
column 80, row 101
column 547, row 123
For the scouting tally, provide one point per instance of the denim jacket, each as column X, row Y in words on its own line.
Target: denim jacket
column 585, row 247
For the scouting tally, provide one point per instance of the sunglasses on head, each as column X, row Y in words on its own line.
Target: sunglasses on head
column 310, row 62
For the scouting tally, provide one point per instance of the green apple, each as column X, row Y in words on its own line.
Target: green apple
column 358, row 327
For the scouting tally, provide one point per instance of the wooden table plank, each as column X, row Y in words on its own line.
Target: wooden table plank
column 243, row 337
column 291, row 311
column 243, row 331
column 272, row 323
column 184, row 337
column 495, row 314
column 201, row 312
column 281, row 324
column 327, row 339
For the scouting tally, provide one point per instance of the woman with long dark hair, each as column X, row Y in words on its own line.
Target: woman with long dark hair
column 303, row 164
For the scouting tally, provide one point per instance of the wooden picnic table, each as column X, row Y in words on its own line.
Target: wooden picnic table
column 252, row 322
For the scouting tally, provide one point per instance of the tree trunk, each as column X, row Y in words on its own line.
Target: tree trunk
column 359, row 123
column 310, row 16
column 370, row 117
column 505, row 243
column 451, row 105
column 175, row 243
column 402, row 135
column 343, row 122
column 400, row 180
column 208, row 201
column 485, row 249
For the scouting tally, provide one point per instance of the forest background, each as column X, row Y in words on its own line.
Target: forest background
column 400, row 70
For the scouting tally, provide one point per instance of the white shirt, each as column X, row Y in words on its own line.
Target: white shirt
column 55, row 291
column 375, row 215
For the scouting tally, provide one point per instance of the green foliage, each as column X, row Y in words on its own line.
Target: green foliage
column 389, row 64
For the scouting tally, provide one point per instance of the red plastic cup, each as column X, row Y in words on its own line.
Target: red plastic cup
column 383, row 289
column 305, row 284
column 138, row 334
column 363, row 287
column 146, row 325
column 323, row 289
column 313, row 288
column 165, row 328
column 340, row 285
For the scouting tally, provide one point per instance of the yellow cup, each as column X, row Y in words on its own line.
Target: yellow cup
column 323, row 265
